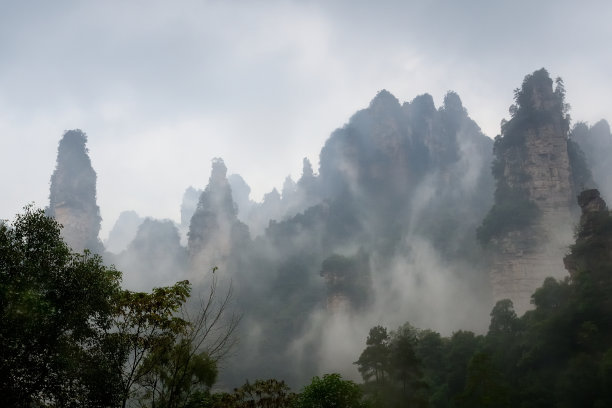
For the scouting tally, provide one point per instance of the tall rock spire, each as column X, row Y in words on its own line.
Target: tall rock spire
column 72, row 198
column 530, row 225
column 214, row 226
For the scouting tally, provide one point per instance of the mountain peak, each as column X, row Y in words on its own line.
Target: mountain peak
column 384, row 99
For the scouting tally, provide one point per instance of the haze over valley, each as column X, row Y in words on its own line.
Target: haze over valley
column 269, row 211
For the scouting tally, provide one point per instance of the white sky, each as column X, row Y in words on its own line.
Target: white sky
column 162, row 87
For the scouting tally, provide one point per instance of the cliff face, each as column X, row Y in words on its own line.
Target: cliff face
column 596, row 143
column 72, row 198
column 214, row 228
column 591, row 252
column 530, row 224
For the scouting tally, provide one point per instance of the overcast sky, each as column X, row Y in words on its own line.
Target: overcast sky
column 162, row 87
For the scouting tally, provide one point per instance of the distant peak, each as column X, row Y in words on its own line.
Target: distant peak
column 73, row 140
column 536, row 91
column 452, row 101
column 272, row 196
column 602, row 127
column 384, row 99
column 236, row 180
column 423, row 103
column 307, row 168
column 74, row 135
column 219, row 171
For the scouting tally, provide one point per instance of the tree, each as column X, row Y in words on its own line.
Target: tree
column 430, row 351
column 330, row 391
column 264, row 394
column 406, row 369
column 172, row 372
column 146, row 324
column 374, row 360
column 503, row 319
column 392, row 362
column 56, row 311
column 483, row 386
column 70, row 337
column 461, row 347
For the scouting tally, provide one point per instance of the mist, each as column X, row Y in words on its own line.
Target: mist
column 388, row 231
column 383, row 233
column 334, row 166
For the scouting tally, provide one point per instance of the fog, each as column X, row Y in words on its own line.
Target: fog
column 161, row 89
column 326, row 217
column 383, row 233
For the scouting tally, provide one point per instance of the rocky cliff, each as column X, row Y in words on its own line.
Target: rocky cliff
column 214, row 229
column 596, row 143
column 72, row 198
column 593, row 241
column 530, row 225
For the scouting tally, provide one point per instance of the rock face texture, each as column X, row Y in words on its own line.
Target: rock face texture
column 215, row 229
column 596, row 143
column 593, row 240
column 530, row 224
column 72, row 198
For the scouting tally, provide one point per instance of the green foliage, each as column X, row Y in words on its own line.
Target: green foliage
column 70, row 337
column 558, row 354
column 391, row 369
column 504, row 320
column 56, row 311
column 269, row 393
column 170, row 375
column 483, row 386
column 461, row 347
column 537, row 105
column 512, row 211
column 146, row 324
column 432, row 350
column 330, row 391
column 73, row 182
column 264, row 394
column 373, row 363
column 172, row 357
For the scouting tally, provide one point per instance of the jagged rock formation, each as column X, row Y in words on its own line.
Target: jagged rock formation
column 596, row 143
column 191, row 196
column 72, row 198
column 593, row 240
column 410, row 169
column 123, row 232
column 215, row 229
column 154, row 257
column 295, row 198
column 530, row 224
column 395, row 174
column 241, row 193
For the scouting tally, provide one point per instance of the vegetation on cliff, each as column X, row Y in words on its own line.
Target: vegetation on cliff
column 557, row 355
column 537, row 105
column 72, row 197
